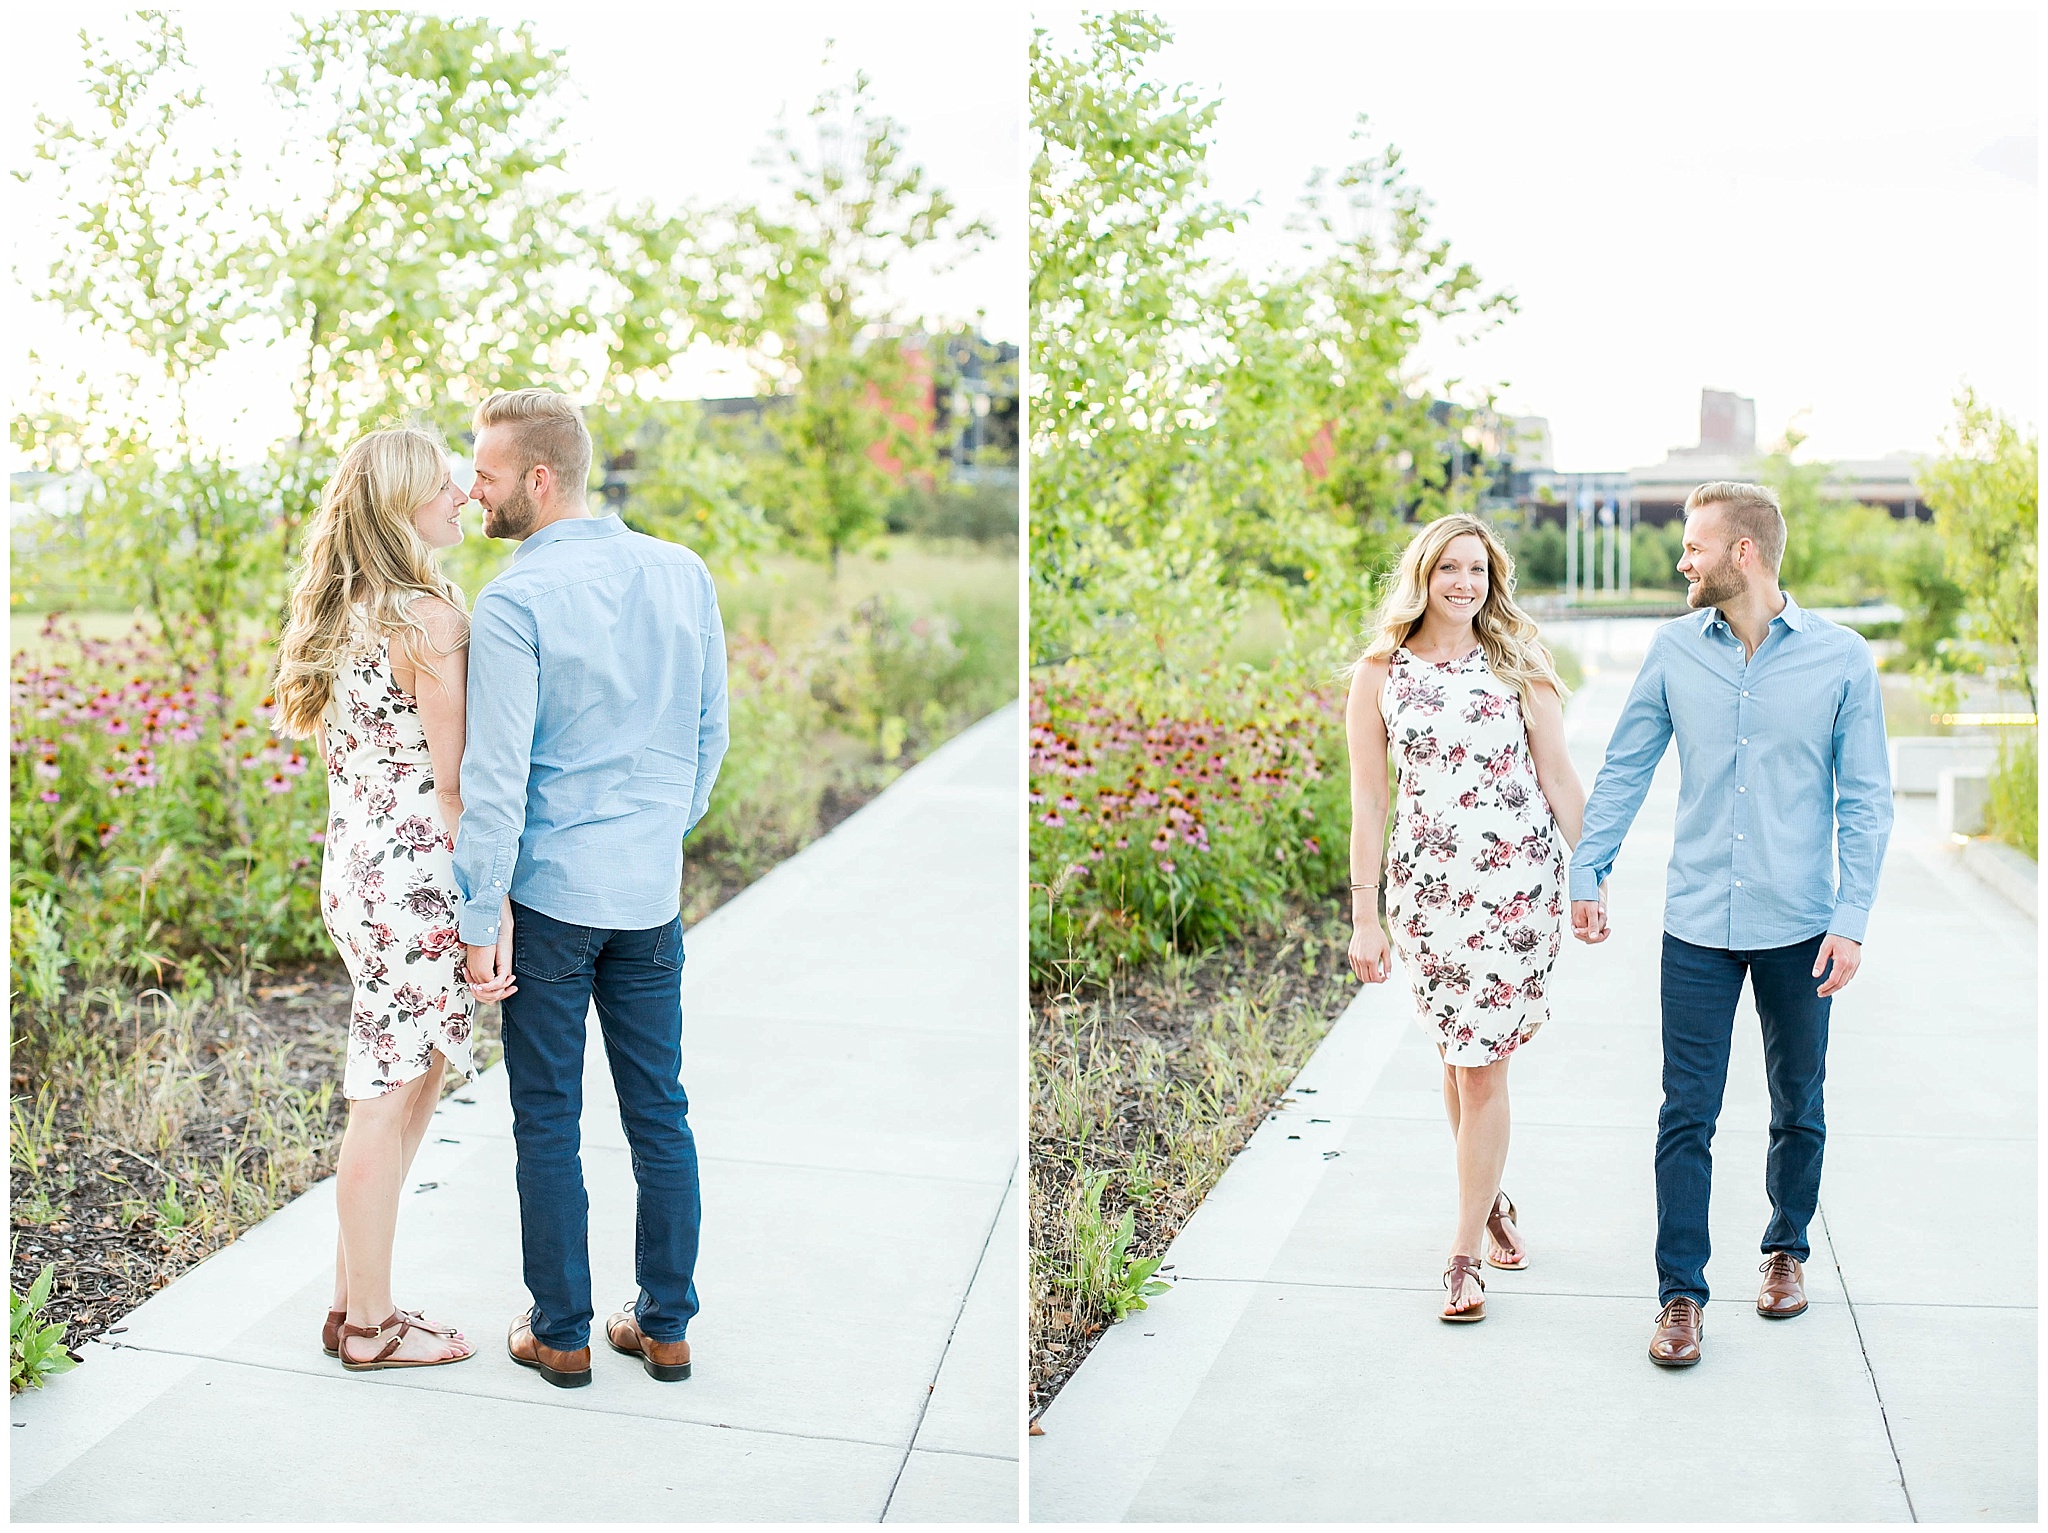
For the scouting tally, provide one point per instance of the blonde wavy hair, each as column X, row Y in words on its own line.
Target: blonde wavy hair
column 364, row 567
column 1506, row 633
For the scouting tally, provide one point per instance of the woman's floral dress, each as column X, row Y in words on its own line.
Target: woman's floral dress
column 1475, row 866
column 387, row 884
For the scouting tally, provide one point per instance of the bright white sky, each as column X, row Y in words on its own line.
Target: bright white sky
column 1834, row 212
column 676, row 102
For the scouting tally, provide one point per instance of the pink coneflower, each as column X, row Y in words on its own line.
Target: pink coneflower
column 1052, row 817
column 277, row 782
column 49, row 797
column 295, row 764
column 1166, row 864
column 318, row 838
column 48, row 770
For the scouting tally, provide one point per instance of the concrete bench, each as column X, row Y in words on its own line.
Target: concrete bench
column 1960, row 797
column 1919, row 760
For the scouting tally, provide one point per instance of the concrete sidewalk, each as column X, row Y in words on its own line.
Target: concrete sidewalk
column 1297, row 1371
column 851, row 1053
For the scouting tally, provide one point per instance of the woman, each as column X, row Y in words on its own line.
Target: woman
column 372, row 665
column 1455, row 680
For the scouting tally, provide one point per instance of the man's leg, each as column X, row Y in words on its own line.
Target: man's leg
column 544, row 1034
column 1700, row 987
column 1795, row 1027
column 639, row 993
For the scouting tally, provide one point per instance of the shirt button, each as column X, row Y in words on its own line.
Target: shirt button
column 1738, row 883
column 1742, row 790
column 1738, row 835
column 1743, row 741
column 1745, row 694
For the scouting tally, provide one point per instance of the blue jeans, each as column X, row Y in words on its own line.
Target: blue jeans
column 636, row 979
column 1700, row 988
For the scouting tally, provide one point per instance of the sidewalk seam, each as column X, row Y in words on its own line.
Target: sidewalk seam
column 549, row 1405
column 924, row 1405
column 1883, row 1415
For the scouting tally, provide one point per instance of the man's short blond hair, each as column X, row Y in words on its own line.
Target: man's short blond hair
column 547, row 428
column 1752, row 511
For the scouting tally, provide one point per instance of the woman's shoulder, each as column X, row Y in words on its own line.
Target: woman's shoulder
column 446, row 624
column 1375, row 667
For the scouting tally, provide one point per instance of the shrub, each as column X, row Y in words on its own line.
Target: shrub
column 2013, row 812
column 1653, row 555
column 1177, row 816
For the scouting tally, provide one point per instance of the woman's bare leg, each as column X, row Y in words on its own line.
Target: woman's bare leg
column 373, row 1166
column 1483, row 1124
column 417, row 1118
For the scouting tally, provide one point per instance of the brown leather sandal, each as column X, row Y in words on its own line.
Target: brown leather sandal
column 330, row 1332
column 1496, row 1229
column 400, row 1323
column 1463, row 1266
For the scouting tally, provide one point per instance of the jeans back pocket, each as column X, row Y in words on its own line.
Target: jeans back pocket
column 546, row 949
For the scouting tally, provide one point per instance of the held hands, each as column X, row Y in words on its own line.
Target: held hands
column 1589, row 919
column 490, row 966
column 1846, row 956
column 1370, row 957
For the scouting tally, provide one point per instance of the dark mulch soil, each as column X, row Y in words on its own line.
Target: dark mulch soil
column 1151, row 1004
column 105, row 1269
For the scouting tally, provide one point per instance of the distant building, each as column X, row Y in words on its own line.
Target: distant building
column 967, row 393
column 1727, row 450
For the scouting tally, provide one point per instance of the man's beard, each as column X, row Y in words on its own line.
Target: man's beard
column 512, row 517
column 1714, row 588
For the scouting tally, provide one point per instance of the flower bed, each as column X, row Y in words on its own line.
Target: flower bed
column 1178, row 820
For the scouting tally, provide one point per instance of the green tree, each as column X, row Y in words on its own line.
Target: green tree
column 799, row 282
column 1985, row 490
column 1203, row 437
column 440, row 255
column 416, row 248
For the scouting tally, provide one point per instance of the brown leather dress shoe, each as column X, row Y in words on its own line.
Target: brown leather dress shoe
column 668, row 1361
column 564, row 1370
column 1676, row 1343
column 1784, row 1292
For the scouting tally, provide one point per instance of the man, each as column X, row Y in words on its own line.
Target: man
column 1781, row 754
column 596, row 724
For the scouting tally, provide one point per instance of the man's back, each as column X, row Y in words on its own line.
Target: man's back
column 596, row 724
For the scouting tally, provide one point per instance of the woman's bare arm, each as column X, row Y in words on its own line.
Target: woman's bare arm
column 1555, row 774
column 438, row 680
column 1365, row 732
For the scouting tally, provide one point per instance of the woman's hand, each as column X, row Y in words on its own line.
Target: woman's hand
column 1371, row 958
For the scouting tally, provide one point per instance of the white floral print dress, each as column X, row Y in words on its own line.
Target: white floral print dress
column 387, row 884
column 1475, row 864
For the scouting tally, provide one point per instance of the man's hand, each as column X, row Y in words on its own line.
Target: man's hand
column 490, row 966
column 1846, row 956
column 1589, row 920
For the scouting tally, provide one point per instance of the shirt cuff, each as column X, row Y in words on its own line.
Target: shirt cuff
column 1585, row 884
column 1849, row 922
column 480, row 917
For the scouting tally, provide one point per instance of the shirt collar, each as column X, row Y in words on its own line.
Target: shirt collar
column 576, row 527
column 1792, row 615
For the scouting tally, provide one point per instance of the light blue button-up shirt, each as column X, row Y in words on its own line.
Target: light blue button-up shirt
column 596, row 723
column 1782, row 770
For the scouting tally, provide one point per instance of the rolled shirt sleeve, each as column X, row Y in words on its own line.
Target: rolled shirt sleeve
column 713, row 725
column 1863, row 796
column 503, row 700
column 1637, row 745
